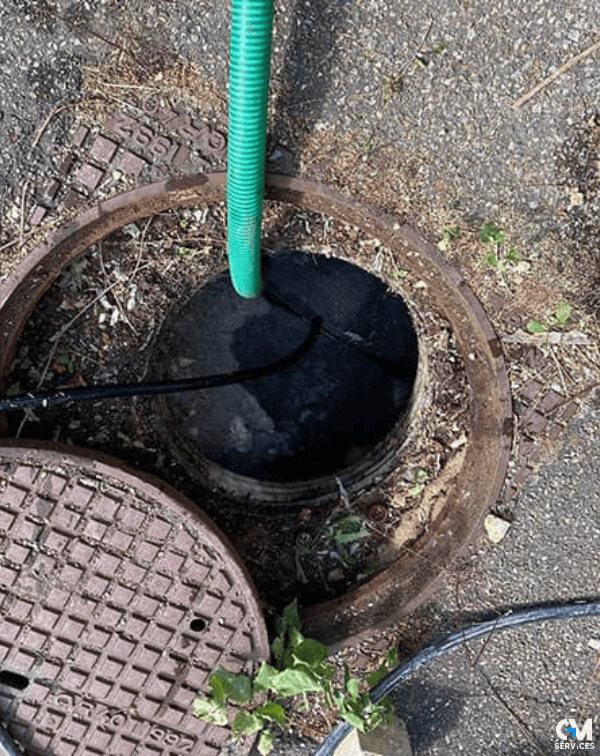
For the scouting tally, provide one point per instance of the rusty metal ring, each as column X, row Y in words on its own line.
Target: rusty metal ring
column 413, row 577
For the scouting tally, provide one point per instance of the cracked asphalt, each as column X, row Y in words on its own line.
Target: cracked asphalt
column 438, row 80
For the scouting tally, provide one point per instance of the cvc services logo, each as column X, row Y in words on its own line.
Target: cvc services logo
column 574, row 738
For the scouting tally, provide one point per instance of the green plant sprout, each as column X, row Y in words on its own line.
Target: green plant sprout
column 392, row 86
column 560, row 318
column 419, row 478
column 491, row 235
column 184, row 251
column 450, row 233
column 300, row 668
column 425, row 58
column 347, row 531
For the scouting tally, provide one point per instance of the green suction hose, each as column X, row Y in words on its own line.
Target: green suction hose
column 249, row 66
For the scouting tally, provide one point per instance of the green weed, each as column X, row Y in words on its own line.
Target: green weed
column 450, row 233
column 496, row 256
column 300, row 668
column 418, row 482
column 559, row 319
column 424, row 58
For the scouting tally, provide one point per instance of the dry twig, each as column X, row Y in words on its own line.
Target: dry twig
column 524, row 729
column 59, row 109
column 555, row 74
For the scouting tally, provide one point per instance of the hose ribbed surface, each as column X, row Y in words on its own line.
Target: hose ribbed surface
column 249, row 61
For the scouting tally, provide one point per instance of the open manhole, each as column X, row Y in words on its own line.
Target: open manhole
column 118, row 599
column 419, row 489
column 322, row 416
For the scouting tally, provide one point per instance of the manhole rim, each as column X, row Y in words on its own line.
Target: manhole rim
column 399, row 588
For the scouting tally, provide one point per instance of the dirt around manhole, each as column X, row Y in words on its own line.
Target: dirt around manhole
column 99, row 322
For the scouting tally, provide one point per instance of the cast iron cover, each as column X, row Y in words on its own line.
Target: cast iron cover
column 117, row 599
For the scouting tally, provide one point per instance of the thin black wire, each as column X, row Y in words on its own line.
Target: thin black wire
column 396, row 370
column 37, row 400
column 449, row 642
column 149, row 388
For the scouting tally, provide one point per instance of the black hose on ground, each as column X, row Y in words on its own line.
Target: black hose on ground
column 8, row 747
column 442, row 645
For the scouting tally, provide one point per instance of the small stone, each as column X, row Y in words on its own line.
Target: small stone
column 594, row 643
column 576, row 197
column 386, row 740
column 496, row 528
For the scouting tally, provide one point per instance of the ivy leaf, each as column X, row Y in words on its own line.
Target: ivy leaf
column 278, row 647
column 535, row 326
column 271, row 711
column 290, row 618
column 245, row 723
column 296, row 637
column 264, row 677
column 266, row 741
column 290, row 682
column 209, row 711
column 229, row 686
column 355, row 720
column 352, row 688
column 310, row 652
column 325, row 671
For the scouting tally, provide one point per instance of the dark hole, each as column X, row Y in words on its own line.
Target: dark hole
column 322, row 413
column 198, row 625
column 13, row 680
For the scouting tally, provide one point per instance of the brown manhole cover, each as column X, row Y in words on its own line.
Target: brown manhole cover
column 476, row 457
column 118, row 598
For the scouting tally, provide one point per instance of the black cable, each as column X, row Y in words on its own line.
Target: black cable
column 397, row 370
column 8, row 747
column 449, row 642
column 108, row 391
column 112, row 391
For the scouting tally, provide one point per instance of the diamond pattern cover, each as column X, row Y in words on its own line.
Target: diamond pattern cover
column 117, row 599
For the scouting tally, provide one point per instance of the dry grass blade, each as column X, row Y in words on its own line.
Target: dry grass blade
column 555, row 74
column 56, row 111
column 524, row 729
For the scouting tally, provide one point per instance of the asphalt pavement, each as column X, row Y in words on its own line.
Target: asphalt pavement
column 440, row 80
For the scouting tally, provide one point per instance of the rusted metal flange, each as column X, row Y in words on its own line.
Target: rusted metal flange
column 118, row 597
column 413, row 577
